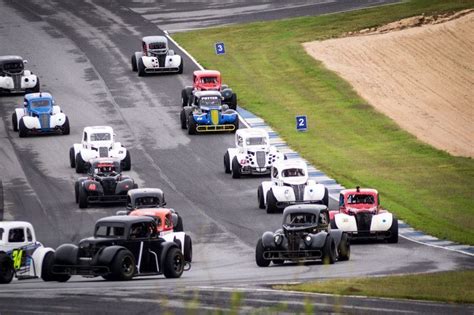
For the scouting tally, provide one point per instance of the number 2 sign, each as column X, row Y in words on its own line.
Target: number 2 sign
column 301, row 123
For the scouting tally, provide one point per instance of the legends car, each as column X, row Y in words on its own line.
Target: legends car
column 290, row 185
column 104, row 183
column 156, row 57
column 207, row 114
column 22, row 256
column 14, row 78
column 305, row 236
column 122, row 247
column 361, row 216
column 98, row 142
column 208, row 80
column 252, row 155
column 39, row 115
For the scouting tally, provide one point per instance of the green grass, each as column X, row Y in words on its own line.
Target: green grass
column 453, row 286
column 274, row 78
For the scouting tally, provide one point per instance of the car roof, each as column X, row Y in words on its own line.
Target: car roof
column 126, row 219
column 206, row 73
column 111, row 160
column 153, row 39
column 10, row 58
column 312, row 209
column 108, row 129
column 293, row 163
column 207, row 93
column 150, row 212
column 361, row 190
column 139, row 192
column 15, row 224
column 252, row 132
column 32, row 96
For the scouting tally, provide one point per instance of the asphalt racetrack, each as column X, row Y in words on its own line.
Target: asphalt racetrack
column 81, row 51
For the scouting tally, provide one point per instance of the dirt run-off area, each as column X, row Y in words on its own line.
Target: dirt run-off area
column 418, row 71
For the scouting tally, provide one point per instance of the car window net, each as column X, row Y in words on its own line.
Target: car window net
column 256, row 141
column 355, row 199
column 109, row 231
column 102, row 136
column 40, row 103
column 293, row 172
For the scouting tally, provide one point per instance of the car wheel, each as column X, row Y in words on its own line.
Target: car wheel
column 261, row 201
column 134, row 63
column 188, row 249
column 72, row 158
column 326, row 197
column 15, row 122
column 393, row 231
column 271, row 202
column 76, row 191
column 127, row 162
column 141, row 68
column 192, row 126
column 261, row 262
column 236, row 125
column 174, row 263
column 181, row 67
column 36, row 89
column 6, row 268
column 179, row 226
column 182, row 118
column 123, row 266
column 227, row 163
column 23, row 131
column 344, row 250
column 65, row 130
column 329, row 251
column 83, row 198
column 47, row 270
column 236, row 172
column 233, row 102
column 333, row 224
column 80, row 164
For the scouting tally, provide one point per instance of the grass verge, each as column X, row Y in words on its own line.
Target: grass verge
column 453, row 286
column 267, row 66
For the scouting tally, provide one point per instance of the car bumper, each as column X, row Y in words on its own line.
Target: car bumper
column 107, row 199
column 215, row 128
column 299, row 255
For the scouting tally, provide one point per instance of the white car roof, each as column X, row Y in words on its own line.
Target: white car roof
column 90, row 129
column 15, row 224
column 252, row 132
column 145, row 191
column 207, row 93
column 286, row 164
column 154, row 39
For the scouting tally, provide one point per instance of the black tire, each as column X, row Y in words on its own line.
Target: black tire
column 261, row 201
column 329, row 251
column 15, row 122
column 66, row 254
column 181, row 67
column 236, row 172
column 192, row 126
column 278, row 261
column 393, row 238
column 83, row 198
column 123, row 266
column 227, row 163
column 135, row 186
column 326, row 197
column 36, row 89
column 236, row 125
column 233, row 101
column 271, row 202
column 141, row 68
column 188, row 249
column 65, row 130
column 23, row 131
column 182, row 118
column 80, row 164
column 76, row 190
column 127, row 162
column 261, row 262
column 6, row 268
column 72, row 158
column 179, row 226
column 173, row 265
column 134, row 63
column 47, row 270
column 333, row 224
column 344, row 249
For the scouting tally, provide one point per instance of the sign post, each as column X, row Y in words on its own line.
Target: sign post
column 220, row 48
column 301, row 123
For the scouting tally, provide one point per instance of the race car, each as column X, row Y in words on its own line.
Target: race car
column 14, row 78
column 290, row 185
column 305, row 236
column 122, row 247
column 207, row 114
column 22, row 256
column 208, row 80
column 156, row 57
column 103, row 184
column 98, row 141
column 252, row 155
column 362, row 217
column 39, row 115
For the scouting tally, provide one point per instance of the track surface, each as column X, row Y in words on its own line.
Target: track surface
column 81, row 52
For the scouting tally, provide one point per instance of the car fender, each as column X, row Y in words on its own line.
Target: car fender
column 314, row 192
column 268, row 240
column 6, row 83
column 336, row 235
column 28, row 80
column 31, row 122
column 284, row 193
column 107, row 254
column 56, row 110
column 165, row 247
column 20, row 112
column 118, row 152
column 38, row 257
column 177, row 236
column 88, row 185
column 173, row 61
column 148, row 62
column 232, row 153
column 318, row 240
column 66, row 254
column 77, row 148
column 266, row 185
column 124, row 185
column 345, row 222
column 88, row 154
column 381, row 222
column 57, row 120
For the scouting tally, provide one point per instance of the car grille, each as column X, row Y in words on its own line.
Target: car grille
column 44, row 120
column 103, row 152
column 363, row 219
column 161, row 60
column 294, row 240
column 16, row 81
column 299, row 192
column 109, row 184
column 260, row 158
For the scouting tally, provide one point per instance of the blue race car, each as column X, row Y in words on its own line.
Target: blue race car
column 207, row 114
column 39, row 115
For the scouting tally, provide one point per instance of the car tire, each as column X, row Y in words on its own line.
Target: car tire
column 65, row 129
column 123, row 266
column 6, row 268
column 83, row 198
column 80, row 164
column 333, row 224
column 181, row 66
column 271, row 202
column 182, row 118
column 76, row 191
column 15, row 122
column 393, row 238
column 192, row 126
column 36, row 89
column 188, row 249
column 326, row 197
column 126, row 163
column 66, row 254
column 179, row 226
column 344, row 249
column 227, row 169
column 236, row 125
column 329, row 251
column 233, row 102
column 261, row 262
column 173, row 265
column 141, row 68
column 236, row 172
column 47, row 270
column 261, row 201
column 23, row 131
column 72, row 158
column 134, row 63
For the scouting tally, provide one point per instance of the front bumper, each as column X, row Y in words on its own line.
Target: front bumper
column 107, row 198
column 215, row 128
column 295, row 255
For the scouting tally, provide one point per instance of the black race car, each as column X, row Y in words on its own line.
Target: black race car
column 305, row 236
column 122, row 247
column 104, row 183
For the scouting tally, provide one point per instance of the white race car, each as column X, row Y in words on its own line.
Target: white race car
column 14, row 78
column 252, row 154
column 156, row 57
column 290, row 185
column 98, row 142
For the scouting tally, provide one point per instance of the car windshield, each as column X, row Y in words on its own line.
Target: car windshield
column 13, row 66
column 209, row 101
column 101, row 136
column 256, row 141
column 293, row 172
column 159, row 45
column 301, row 219
column 147, row 202
column 209, row 80
column 115, row 230
column 40, row 103
column 105, row 169
column 360, row 198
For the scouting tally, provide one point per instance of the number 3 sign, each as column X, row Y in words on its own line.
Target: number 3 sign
column 220, row 49
column 301, row 123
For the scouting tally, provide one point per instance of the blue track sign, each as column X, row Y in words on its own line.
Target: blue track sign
column 301, row 123
column 220, row 49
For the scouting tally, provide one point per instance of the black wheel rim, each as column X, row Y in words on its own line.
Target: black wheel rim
column 127, row 266
column 177, row 263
